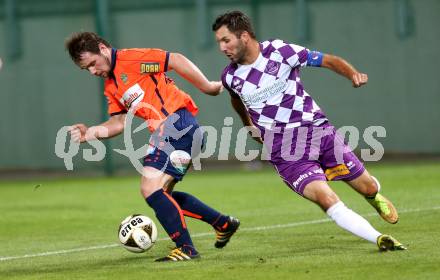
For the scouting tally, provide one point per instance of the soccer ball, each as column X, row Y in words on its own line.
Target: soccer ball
column 137, row 233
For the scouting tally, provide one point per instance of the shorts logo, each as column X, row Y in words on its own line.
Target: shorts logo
column 151, row 149
column 150, row 67
column 304, row 176
column 338, row 170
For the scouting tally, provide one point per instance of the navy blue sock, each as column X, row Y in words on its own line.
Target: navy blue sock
column 192, row 207
column 171, row 218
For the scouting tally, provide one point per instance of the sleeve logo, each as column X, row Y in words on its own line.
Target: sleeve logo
column 150, row 67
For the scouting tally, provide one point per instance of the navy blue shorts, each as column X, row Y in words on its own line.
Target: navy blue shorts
column 174, row 144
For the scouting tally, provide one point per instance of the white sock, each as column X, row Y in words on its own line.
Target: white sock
column 352, row 222
column 377, row 183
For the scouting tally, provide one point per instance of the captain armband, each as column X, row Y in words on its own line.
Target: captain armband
column 314, row 58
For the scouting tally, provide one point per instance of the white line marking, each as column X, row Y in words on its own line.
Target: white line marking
column 311, row 222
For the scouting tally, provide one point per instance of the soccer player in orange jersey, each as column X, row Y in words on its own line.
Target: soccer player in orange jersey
column 135, row 82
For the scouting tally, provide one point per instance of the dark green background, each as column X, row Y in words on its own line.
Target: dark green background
column 41, row 90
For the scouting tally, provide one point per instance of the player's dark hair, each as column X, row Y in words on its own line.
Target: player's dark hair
column 81, row 42
column 236, row 22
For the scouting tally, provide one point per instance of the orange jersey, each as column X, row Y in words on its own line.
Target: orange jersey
column 138, row 84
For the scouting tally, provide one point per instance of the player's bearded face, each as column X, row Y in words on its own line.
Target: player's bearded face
column 231, row 45
column 239, row 52
column 96, row 64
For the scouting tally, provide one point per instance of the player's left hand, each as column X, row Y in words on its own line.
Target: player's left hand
column 359, row 79
column 255, row 133
column 215, row 88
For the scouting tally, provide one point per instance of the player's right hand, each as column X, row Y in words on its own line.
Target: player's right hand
column 78, row 132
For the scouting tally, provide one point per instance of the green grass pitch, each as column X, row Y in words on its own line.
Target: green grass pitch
column 67, row 229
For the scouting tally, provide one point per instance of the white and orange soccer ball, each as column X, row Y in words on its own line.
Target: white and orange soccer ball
column 137, row 233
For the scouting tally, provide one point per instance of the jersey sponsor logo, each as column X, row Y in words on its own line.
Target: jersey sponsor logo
column 338, row 170
column 150, row 67
column 132, row 96
column 263, row 94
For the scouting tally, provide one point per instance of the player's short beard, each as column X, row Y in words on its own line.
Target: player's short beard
column 109, row 65
column 108, row 60
column 241, row 53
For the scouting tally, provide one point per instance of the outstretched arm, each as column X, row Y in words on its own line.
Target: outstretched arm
column 342, row 67
column 114, row 126
column 190, row 72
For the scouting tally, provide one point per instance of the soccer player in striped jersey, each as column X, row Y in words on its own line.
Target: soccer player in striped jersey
column 266, row 91
column 136, row 82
